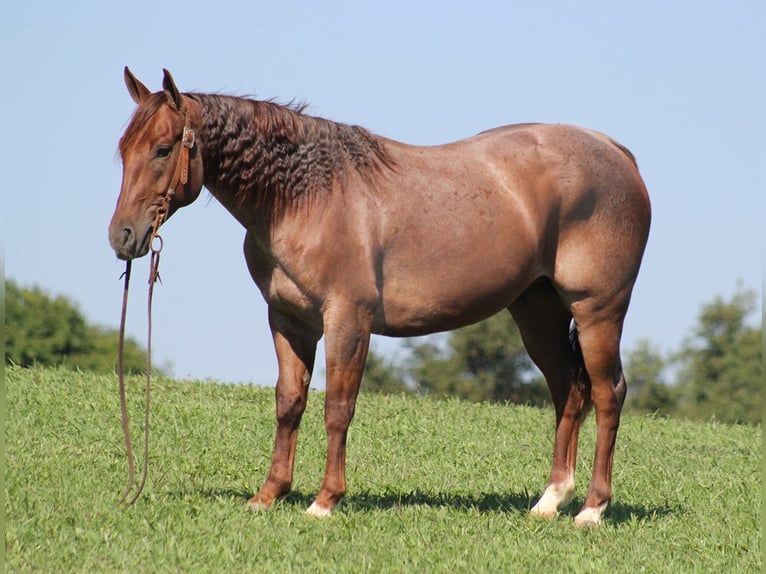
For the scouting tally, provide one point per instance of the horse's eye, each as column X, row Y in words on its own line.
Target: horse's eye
column 164, row 151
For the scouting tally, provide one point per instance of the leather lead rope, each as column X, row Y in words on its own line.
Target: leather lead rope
column 154, row 276
column 121, row 377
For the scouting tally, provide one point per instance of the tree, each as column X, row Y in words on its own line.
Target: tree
column 381, row 377
column 43, row 330
column 720, row 366
column 482, row 362
column 648, row 391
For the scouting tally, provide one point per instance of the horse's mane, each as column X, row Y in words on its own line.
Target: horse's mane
column 269, row 154
column 277, row 155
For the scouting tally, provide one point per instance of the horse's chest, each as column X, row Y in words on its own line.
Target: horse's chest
column 284, row 294
column 280, row 290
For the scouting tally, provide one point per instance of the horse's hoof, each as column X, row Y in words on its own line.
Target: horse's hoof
column 554, row 497
column 256, row 505
column 547, row 513
column 318, row 511
column 590, row 516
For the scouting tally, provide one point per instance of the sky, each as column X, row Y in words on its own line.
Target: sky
column 681, row 84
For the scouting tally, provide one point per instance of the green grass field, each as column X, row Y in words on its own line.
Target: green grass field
column 434, row 486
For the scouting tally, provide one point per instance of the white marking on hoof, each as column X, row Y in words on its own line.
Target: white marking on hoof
column 318, row 511
column 590, row 516
column 555, row 496
column 257, row 505
column 543, row 511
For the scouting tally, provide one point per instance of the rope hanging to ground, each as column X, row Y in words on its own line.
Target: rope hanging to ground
column 154, row 276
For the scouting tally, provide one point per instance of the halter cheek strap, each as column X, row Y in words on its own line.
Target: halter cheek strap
column 180, row 175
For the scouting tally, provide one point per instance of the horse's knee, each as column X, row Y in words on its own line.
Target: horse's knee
column 338, row 415
column 290, row 408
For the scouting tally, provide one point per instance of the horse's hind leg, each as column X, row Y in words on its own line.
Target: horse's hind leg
column 599, row 329
column 544, row 321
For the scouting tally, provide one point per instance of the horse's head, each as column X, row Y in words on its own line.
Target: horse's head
column 162, row 166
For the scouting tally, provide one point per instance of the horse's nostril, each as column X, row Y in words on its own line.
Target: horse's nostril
column 127, row 235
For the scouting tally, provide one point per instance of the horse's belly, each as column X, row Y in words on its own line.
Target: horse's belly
column 457, row 267
column 447, row 297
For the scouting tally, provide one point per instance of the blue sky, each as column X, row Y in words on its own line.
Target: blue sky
column 679, row 83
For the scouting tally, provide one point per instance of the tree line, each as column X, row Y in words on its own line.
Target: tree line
column 45, row 330
column 716, row 372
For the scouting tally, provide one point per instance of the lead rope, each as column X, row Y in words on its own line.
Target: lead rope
column 154, row 276
column 180, row 177
column 121, row 377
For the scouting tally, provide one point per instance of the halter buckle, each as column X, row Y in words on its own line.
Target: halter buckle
column 187, row 137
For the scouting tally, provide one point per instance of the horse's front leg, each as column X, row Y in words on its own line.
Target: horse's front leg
column 295, row 345
column 347, row 340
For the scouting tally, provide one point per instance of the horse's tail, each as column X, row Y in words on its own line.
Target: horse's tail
column 580, row 376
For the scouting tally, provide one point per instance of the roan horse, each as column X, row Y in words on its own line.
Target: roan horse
column 349, row 234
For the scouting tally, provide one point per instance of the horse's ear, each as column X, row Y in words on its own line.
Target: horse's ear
column 171, row 91
column 136, row 89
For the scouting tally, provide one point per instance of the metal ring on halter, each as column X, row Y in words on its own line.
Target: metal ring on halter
column 152, row 247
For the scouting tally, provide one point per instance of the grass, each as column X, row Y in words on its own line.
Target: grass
column 434, row 486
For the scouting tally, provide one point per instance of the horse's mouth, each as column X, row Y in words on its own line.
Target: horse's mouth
column 143, row 247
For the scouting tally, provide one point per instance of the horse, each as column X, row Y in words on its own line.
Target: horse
column 349, row 233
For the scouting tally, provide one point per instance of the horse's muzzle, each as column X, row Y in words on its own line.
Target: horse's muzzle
column 127, row 244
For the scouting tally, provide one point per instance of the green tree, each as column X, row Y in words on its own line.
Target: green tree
column 720, row 366
column 382, row 377
column 648, row 391
column 436, row 371
column 44, row 330
column 482, row 362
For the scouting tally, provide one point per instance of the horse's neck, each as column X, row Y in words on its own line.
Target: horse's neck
column 227, row 135
column 262, row 156
column 234, row 165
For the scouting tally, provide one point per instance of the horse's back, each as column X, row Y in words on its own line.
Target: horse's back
column 524, row 175
column 469, row 225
